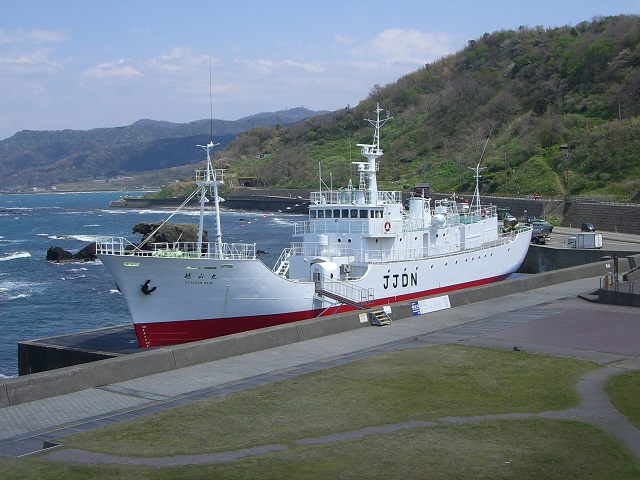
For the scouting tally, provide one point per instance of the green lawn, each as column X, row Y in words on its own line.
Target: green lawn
column 624, row 390
column 415, row 384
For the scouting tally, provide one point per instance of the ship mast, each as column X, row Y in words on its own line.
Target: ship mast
column 207, row 179
column 476, row 194
column 211, row 178
column 371, row 152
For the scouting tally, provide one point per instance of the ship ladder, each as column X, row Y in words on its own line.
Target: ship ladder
column 379, row 318
column 283, row 263
column 283, row 268
column 345, row 293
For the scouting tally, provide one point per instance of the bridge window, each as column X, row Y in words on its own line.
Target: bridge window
column 354, row 213
column 320, row 213
column 364, row 213
column 312, row 213
column 345, row 213
column 327, row 214
column 336, row 213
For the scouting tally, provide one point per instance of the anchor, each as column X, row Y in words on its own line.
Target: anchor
column 145, row 288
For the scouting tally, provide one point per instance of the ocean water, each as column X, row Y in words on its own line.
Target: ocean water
column 39, row 299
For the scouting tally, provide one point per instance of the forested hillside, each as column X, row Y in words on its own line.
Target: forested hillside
column 557, row 110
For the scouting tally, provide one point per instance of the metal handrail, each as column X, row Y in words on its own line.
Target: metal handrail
column 385, row 256
column 210, row 250
column 345, row 290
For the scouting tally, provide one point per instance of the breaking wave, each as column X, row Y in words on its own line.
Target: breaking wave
column 14, row 255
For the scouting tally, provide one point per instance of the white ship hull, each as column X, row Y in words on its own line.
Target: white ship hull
column 204, row 298
column 359, row 248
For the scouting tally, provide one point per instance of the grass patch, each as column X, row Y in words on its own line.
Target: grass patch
column 414, row 384
column 624, row 391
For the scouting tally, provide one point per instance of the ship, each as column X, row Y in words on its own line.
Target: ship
column 357, row 248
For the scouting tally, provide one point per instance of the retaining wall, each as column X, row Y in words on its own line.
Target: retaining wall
column 544, row 259
column 37, row 386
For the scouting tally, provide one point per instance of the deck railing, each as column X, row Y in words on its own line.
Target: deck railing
column 385, row 256
column 209, row 250
column 354, row 197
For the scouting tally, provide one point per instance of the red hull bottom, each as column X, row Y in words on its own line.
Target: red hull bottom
column 170, row 333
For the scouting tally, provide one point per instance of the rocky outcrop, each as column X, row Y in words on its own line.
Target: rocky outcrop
column 60, row 255
column 168, row 233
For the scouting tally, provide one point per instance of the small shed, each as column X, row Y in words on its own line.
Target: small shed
column 248, row 181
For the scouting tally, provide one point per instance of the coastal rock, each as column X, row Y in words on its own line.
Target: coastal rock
column 168, row 233
column 59, row 255
column 87, row 254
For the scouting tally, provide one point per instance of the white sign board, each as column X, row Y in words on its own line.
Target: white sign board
column 430, row 305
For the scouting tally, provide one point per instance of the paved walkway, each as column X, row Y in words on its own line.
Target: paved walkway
column 547, row 320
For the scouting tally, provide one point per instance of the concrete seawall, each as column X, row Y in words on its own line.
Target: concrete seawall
column 244, row 200
column 80, row 377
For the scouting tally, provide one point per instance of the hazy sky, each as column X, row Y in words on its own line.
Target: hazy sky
column 87, row 63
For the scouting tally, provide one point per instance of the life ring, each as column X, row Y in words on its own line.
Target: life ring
column 387, row 226
column 483, row 212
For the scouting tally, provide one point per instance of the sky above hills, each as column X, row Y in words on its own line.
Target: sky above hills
column 83, row 64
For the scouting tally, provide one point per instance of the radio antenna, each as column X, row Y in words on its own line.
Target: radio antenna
column 210, row 102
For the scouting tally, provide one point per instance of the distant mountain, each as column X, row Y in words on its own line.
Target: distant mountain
column 42, row 159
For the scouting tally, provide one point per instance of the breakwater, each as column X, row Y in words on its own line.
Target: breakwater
column 294, row 201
